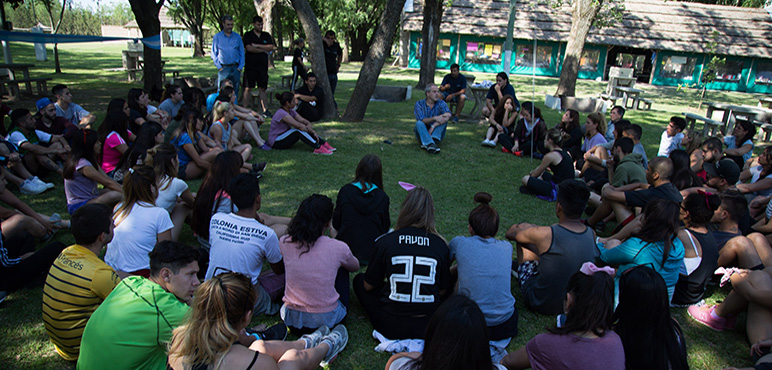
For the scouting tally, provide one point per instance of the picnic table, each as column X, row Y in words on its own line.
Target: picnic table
column 478, row 93
column 747, row 113
column 708, row 124
column 630, row 92
column 13, row 81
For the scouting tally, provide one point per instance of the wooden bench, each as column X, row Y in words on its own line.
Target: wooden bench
column 132, row 73
column 710, row 124
column 13, row 85
column 646, row 103
column 255, row 94
column 174, row 73
column 766, row 130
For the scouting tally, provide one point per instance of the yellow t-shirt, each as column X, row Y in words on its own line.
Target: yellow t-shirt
column 77, row 283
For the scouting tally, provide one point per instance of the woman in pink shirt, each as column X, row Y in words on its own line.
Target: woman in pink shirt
column 311, row 263
column 114, row 136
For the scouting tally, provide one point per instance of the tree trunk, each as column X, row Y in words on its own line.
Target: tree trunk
column 264, row 9
column 583, row 13
column 57, row 66
column 371, row 69
column 146, row 14
column 313, row 32
column 359, row 43
column 198, row 41
column 430, row 32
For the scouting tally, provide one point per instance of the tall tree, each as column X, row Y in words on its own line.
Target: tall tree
column 146, row 14
column 371, row 69
column 264, row 9
column 431, row 33
column 313, row 33
column 584, row 15
column 192, row 14
column 49, row 4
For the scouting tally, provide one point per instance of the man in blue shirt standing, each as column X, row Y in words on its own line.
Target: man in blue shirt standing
column 228, row 53
column 453, row 87
column 432, row 115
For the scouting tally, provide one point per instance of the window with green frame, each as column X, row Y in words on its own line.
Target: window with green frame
column 524, row 56
column 678, row 67
column 731, row 71
column 763, row 73
column 589, row 61
column 443, row 49
column 483, row 52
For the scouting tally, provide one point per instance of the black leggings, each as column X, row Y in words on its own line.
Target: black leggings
column 508, row 142
column 289, row 138
column 506, row 329
column 14, row 277
column 541, row 186
column 388, row 324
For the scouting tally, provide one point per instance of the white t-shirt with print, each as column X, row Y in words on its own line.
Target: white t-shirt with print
column 135, row 236
column 240, row 244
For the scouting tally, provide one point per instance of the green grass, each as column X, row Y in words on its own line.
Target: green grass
column 453, row 176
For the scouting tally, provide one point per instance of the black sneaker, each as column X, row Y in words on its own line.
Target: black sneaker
column 276, row 332
column 259, row 167
column 432, row 148
column 267, row 114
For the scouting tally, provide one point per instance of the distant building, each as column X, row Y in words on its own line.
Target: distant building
column 172, row 33
column 664, row 41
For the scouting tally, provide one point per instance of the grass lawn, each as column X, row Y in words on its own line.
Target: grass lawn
column 453, row 176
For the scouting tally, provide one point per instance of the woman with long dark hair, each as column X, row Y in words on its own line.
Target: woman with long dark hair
column 410, row 273
column 456, row 339
column 652, row 339
column 739, row 145
column 530, row 130
column 569, row 123
column 585, row 339
column 542, row 182
column 214, row 336
column 82, row 173
column 114, row 135
column 195, row 150
column 311, row 263
column 700, row 247
column 655, row 245
column 683, row 177
column 502, row 121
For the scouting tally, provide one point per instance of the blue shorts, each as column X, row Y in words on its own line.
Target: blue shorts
column 71, row 208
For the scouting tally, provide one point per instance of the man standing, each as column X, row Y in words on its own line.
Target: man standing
column 453, row 87
column 333, row 55
column 132, row 327
column 311, row 99
column 78, row 281
column 432, row 115
column 228, row 53
column 69, row 110
column 257, row 44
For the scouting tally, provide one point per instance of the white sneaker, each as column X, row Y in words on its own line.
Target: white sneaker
column 47, row 185
column 29, row 186
column 337, row 340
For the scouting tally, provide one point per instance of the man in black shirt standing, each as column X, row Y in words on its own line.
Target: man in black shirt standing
column 257, row 45
column 310, row 98
column 333, row 55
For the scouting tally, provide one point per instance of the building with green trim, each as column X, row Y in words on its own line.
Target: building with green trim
column 665, row 42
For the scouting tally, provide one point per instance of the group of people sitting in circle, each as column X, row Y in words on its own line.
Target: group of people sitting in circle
column 697, row 206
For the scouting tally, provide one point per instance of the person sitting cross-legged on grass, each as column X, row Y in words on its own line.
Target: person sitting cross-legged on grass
column 432, row 115
column 502, row 121
column 241, row 243
column 410, row 274
column 528, row 134
column 542, row 182
column 78, row 281
column 139, row 224
column 214, row 336
column 287, row 127
column 312, row 261
column 195, row 150
column 114, row 135
column 484, row 269
column 173, row 193
column 584, row 340
column 82, row 173
column 548, row 255
column 133, row 326
column 39, row 150
column 455, row 339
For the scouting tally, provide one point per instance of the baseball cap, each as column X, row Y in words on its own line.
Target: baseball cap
column 42, row 103
column 726, row 169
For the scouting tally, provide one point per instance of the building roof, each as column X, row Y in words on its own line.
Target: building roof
column 166, row 21
column 646, row 24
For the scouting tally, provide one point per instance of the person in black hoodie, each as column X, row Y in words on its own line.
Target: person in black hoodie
column 361, row 215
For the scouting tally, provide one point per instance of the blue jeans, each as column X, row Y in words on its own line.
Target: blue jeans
column 232, row 73
column 422, row 133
